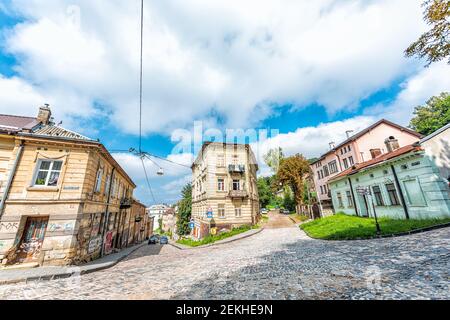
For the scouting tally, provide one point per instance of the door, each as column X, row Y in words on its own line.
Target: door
column 363, row 205
column 31, row 243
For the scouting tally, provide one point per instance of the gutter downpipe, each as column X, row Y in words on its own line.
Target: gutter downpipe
column 397, row 182
column 105, row 223
column 353, row 196
column 11, row 178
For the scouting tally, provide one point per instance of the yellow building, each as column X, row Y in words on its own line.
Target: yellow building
column 64, row 199
column 224, row 183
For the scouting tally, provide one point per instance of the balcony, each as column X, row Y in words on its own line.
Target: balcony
column 238, row 194
column 235, row 168
column 125, row 203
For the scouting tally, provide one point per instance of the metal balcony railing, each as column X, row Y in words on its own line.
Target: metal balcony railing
column 238, row 194
column 236, row 168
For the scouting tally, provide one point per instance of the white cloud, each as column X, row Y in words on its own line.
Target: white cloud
column 234, row 57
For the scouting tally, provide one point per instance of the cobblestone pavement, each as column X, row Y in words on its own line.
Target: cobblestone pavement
column 277, row 220
column 274, row 264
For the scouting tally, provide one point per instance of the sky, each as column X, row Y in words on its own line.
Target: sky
column 306, row 71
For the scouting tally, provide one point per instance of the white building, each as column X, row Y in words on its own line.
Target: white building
column 157, row 211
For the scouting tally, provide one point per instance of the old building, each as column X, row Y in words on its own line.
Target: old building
column 169, row 221
column 224, row 187
column 64, row 199
column 404, row 183
column 157, row 211
column 380, row 138
column 140, row 225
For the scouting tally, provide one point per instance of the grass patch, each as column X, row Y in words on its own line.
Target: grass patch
column 341, row 227
column 265, row 218
column 211, row 239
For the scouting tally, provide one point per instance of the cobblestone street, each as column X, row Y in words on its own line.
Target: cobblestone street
column 281, row 263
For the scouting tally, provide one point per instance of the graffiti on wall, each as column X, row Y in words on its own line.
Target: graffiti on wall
column 108, row 242
column 66, row 227
column 9, row 226
column 94, row 244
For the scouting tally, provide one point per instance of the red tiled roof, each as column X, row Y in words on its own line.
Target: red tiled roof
column 382, row 158
column 17, row 123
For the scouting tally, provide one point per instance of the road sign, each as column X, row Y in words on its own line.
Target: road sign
column 191, row 225
column 213, row 231
column 210, row 214
column 365, row 191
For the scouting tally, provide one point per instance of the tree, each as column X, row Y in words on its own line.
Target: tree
column 264, row 191
column 273, row 158
column 184, row 211
column 433, row 115
column 292, row 173
column 434, row 44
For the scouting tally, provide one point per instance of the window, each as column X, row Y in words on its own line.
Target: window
column 392, row 192
column 236, row 185
column 325, row 171
column 339, row 198
column 345, row 163
column 237, row 212
column 333, row 167
column 98, row 180
column 351, row 161
column 108, row 184
column 321, row 190
column 414, row 193
column 378, row 196
column 221, row 184
column 48, row 173
column 349, row 148
column 220, row 160
column 349, row 199
column 221, row 211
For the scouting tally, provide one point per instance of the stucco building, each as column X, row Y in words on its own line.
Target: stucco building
column 378, row 139
column 224, row 180
column 157, row 211
column 64, row 199
column 406, row 183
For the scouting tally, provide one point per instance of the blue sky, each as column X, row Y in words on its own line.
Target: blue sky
column 311, row 70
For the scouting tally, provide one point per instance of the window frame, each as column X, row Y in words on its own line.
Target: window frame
column 394, row 192
column 220, row 183
column 333, row 167
column 236, row 210
column 378, row 195
column 49, row 172
column 350, row 203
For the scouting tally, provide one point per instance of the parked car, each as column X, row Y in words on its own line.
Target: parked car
column 163, row 240
column 153, row 239
column 284, row 211
column 264, row 211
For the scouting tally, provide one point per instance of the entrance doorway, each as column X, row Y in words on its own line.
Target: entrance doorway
column 363, row 205
column 33, row 235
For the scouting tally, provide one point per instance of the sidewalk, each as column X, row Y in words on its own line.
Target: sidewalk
column 50, row 273
column 226, row 240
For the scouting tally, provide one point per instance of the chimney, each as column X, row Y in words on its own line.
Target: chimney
column 391, row 144
column 44, row 114
column 348, row 133
column 332, row 145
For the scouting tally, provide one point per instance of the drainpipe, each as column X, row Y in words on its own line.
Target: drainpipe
column 353, row 197
column 105, row 223
column 10, row 178
column 402, row 198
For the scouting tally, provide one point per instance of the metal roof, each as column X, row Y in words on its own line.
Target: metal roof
column 60, row 132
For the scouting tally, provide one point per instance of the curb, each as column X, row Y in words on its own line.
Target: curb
column 68, row 274
column 183, row 247
column 394, row 235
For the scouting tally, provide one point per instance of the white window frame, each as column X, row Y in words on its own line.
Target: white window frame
column 236, row 210
column 221, row 212
column 49, row 171
column 220, row 183
column 98, row 180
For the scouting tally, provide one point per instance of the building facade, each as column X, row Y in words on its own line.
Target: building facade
column 169, row 221
column 157, row 211
column 402, row 184
column 380, row 138
column 224, row 184
column 64, row 199
column 140, row 225
column 437, row 148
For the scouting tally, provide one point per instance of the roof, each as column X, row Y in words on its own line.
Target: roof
column 17, row 123
column 363, row 132
column 437, row 132
column 381, row 159
column 57, row 131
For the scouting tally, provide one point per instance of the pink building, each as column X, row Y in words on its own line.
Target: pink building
column 378, row 139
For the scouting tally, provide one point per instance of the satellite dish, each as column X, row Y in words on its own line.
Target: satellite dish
column 160, row 172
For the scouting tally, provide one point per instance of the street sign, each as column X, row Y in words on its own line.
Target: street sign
column 191, row 225
column 210, row 215
column 364, row 191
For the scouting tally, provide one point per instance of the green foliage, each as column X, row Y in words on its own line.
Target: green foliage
column 434, row 45
column 184, row 211
column 342, row 227
column 211, row 239
column 292, row 172
column 433, row 115
column 288, row 202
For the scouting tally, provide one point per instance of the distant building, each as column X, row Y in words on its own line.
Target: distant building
column 224, row 184
column 378, row 139
column 157, row 211
column 405, row 183
column 169, row 221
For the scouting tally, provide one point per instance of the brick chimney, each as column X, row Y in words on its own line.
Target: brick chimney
column 44, row 114
column 391, row 144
